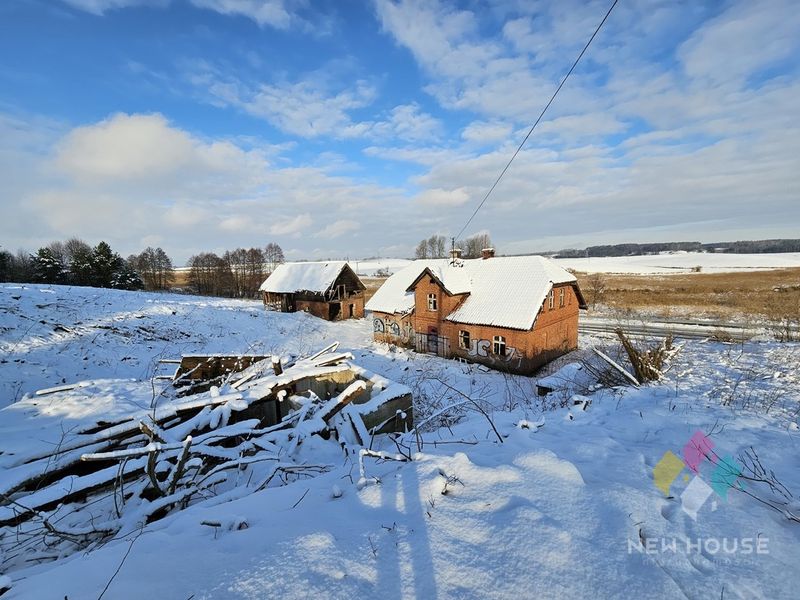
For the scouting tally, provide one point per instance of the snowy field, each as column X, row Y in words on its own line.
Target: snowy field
column 563, row 504
column 368, row 268
column 682, row 262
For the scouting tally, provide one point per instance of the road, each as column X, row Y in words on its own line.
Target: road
column 680, row 328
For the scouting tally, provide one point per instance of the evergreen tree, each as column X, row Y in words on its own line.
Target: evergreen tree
column 105, row 262
column 6, row 265
column 126, row 278
column 46, row 267
column 81, row 266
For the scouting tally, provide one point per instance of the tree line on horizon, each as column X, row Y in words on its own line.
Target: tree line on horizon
column 236, row 273
column 632, row 249
column 73, row 262
column 436, row 246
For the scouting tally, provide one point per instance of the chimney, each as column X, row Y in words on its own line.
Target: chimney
column 487, row 253
column 455, row 253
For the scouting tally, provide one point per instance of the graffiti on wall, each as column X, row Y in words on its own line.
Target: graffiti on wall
column 483, row 349
column 391, row 327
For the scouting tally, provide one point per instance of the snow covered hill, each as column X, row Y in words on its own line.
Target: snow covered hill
column 682, row 262
column 563, row 504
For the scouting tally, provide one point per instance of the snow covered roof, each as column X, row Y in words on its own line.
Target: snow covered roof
column 452, row 277
column 503, row 291
column 303, row 277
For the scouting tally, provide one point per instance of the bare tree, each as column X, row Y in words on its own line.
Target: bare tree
column 236, row 263
column 203, row 272
column 472, row 246
column 255, row 271
column 432, row 247
column 273, row 256
column 155, row 268
column 596, row 287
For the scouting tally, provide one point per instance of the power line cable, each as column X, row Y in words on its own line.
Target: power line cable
column 544, row 110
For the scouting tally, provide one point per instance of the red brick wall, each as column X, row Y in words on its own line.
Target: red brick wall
column 318, row 309
column 358, row 308
column 554, row 333
column 404, row 323
column 324, row 310
column 445, row 304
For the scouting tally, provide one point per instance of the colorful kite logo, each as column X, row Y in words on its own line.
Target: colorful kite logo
column 698, row 449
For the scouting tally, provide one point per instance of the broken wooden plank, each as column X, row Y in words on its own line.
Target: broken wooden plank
column 617, row 367
column 334, row 405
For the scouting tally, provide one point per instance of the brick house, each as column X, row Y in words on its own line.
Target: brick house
column 511, row 313
column 328, row 290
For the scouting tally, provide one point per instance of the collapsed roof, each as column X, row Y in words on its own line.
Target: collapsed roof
column 290, row 278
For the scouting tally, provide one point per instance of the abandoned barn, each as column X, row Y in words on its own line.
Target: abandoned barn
column 328, row 290
column 513, row 313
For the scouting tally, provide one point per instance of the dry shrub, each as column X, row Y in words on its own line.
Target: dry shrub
column 648, row 363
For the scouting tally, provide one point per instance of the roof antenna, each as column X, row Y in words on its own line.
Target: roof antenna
column 455, row 253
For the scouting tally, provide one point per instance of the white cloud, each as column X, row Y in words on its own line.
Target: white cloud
column 100, row 7
column 263, row 12
column 306, row 108
column 339, row 228
column 408, row 122
column 467, row 71
column 441, row 197
column 147, row 150
column 291, row 226
column 483, row 132
column 273, row 13
column 757, row 34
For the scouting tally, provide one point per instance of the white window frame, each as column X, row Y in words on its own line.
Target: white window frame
column 499, row 345
column 433, row 302
column 551, row 300
column 561, row 297
column 462, row 336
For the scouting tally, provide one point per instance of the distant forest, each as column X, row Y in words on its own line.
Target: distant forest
column 741, row 247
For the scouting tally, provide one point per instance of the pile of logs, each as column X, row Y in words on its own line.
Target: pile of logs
column 233, row 439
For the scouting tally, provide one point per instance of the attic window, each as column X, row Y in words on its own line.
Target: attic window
column 499, row 345
column 463, row 339
column 432, row 302
column 551, row 301
column 561, row 297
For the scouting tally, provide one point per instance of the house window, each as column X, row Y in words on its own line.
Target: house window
column 377, row 325
column 432, row 302
column 499, row 345
column 551, row 300
column 463, row 339
column 394, row 328
column 561, row 297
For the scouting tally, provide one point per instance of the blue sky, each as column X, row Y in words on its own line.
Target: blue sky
column 354, row 129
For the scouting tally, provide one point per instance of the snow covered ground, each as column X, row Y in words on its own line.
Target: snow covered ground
column 682, row 262
column 565, row 506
